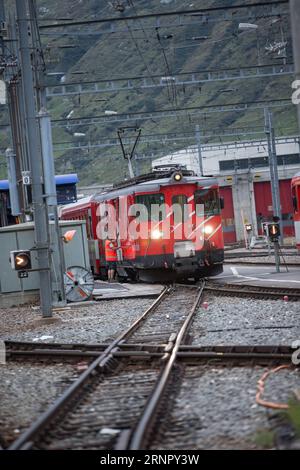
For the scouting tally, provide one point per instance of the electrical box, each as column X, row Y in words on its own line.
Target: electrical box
column 19, row 239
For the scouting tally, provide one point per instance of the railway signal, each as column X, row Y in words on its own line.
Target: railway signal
column 273, row 231
column 20, row 260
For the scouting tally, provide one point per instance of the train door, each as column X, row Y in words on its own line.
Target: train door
column 92, row 241
column 296, row 207
column 264, row 207
column 228, row 223
column 127, row 245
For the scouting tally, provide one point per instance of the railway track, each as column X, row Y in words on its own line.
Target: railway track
column 265, row 254
column 116, row 402
column 108, row 373
column 144, row 352
column 243, row 262
column 257, row 292
column 253, row 259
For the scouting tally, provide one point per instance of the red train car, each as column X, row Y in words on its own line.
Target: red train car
column 296, row 205
column 167, row 223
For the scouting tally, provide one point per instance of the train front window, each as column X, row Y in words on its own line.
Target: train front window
column 154, row 207
column 180, row 208
column 209, row 198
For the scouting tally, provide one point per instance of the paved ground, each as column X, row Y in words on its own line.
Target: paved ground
column 106, row 290
column 260, row 275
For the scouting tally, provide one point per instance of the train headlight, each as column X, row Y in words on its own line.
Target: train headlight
column 208, row 229
column 156, row 234
column 177, row 176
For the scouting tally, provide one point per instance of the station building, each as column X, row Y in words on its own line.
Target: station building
column 243, row 173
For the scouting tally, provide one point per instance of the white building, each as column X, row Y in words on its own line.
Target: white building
column 242, row 169
column 217, row 158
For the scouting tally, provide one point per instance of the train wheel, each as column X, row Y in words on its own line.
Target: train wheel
column 132, row 274
column 214, row 270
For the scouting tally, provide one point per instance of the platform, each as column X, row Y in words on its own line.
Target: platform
column 105, row 290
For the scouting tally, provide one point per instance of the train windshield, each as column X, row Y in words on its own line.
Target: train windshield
column 154, row 207
column 180, row 208
column 210, row 200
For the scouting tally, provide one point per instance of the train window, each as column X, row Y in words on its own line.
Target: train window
column 66, row 193
column 210, row 199
column 151, row 203
column 180, row 202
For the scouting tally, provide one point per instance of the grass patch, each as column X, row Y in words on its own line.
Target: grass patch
column 264, row 439
column 293, row 415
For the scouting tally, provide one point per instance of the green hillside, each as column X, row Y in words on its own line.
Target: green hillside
column 197, row 45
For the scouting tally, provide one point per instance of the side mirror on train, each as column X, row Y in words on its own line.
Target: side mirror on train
column 295, row 205
column 222, row 205
column 68, row 236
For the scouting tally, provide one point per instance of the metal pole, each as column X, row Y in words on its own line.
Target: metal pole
column 295, row 21
column 198, row 140
column 12, row 181
column 274, row 178
column 130, row 169
column 34, row 152
column 58, row 261
column 2, row 21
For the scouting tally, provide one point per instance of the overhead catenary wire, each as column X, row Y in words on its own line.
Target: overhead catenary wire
column 164, row 14
column 165, row 59
column 176, row 74
column 150, row 74
column 146, row 114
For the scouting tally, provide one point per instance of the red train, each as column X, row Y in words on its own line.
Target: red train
column 167, row 224
column 296, row 204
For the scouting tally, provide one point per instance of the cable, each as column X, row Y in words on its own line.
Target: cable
column 163, row 14
column 173, row 88
column 261, row 389
column 190, row 108
column 177, row 74
column 140, row 53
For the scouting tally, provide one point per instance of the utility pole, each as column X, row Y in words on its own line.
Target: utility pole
column 269, row 129
column 35, row 156
column 198, row 140
column 56, row 243
column 295, row 21
column 58, row 290
column 12, row 182
column 2, row 21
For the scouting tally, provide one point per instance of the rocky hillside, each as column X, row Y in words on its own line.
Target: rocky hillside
column 202, row 42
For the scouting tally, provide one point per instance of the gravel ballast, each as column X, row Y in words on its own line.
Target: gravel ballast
column 93, row 323
column 216, row 408
column 26, row 391
column 231, row 320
